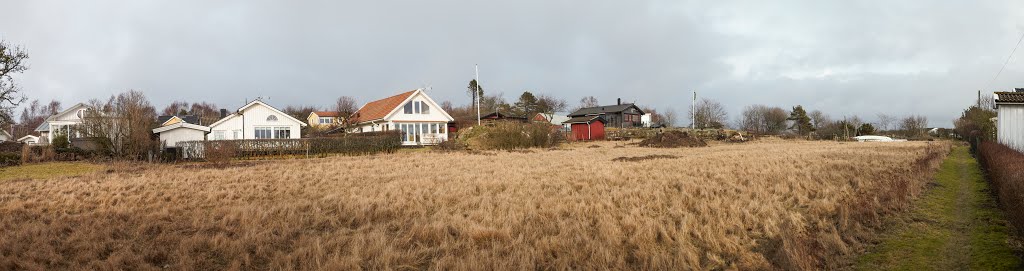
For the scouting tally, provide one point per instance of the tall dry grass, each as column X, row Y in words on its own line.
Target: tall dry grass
column 801, row 205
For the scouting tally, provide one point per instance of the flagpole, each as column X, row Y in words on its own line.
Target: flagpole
column 693, row 114
column 477, row 94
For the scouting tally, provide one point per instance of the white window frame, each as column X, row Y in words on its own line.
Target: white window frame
column 257, row 132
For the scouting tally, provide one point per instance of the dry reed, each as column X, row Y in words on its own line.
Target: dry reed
column 788, row 205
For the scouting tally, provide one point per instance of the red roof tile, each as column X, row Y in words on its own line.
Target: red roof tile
column 380, row 108
column 326, row 113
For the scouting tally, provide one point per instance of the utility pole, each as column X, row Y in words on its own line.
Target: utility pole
column 477, row 69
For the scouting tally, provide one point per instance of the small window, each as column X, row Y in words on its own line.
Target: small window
column 426, row 108
column 218, row 135
column 271, row 118
column 325, row 120
column 235, row 134
column 417, row 104
column 408, row 108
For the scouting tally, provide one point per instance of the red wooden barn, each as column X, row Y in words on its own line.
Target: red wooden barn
column 587, row 128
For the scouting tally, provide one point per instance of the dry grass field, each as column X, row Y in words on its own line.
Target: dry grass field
column 763, row 205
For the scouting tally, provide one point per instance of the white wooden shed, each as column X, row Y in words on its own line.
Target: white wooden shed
column 1010, row 120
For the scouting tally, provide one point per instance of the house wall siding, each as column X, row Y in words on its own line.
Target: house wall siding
column 227, row 127
column 1010, row 126
column 171, row 138
column 256, row 116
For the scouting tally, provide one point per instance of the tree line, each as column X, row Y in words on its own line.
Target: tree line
column 774, row 120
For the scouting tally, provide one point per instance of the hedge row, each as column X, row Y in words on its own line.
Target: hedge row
column 1005, row 169
column 356, row 144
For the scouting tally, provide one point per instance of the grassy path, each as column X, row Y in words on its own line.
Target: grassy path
column 954, row 226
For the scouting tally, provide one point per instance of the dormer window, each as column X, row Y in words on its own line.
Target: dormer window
column 271, row 118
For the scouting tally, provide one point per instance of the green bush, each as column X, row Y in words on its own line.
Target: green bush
column 9, row 159
column 512, row 135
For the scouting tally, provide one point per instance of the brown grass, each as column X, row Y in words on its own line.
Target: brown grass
column 753, row 206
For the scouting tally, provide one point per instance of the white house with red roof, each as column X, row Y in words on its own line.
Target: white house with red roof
column 420, row 120
column 256, row 120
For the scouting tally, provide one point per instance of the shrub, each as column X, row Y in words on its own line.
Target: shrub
column 451, row 145
column 512, row 135
column 9, row 159
column 1005, row 169
column 220, row 152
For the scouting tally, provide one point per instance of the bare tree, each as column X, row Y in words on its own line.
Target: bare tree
column 345, row 106
column 819, row 119
column 122, row 125
column 549, row 104
column 176, row 108
column 885, row 121
column 208, row 113
column 669, row 118
column 913, row 126
column 447, row 106
column 763, row 119
column 709, row 114
column 588, row 101
column 33, row 115
column 12, row 61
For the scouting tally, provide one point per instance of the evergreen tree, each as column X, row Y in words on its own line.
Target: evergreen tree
column 526, row 106
column 801, row 122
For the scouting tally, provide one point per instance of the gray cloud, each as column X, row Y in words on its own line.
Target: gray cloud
column 845, row 58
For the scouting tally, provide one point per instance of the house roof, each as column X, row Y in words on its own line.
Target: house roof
column 379, row 109
column 499, row 115
column 28, row 137
column 1009, row 97
column 556, row 118
column 70, row 109
column 193, row 119
column 43, row 127
column 597, row 110
column 585, row 119
column 251, row 104
column 325, row 113
column 180, row 125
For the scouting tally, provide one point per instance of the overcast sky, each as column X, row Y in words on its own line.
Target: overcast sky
column 842, row 57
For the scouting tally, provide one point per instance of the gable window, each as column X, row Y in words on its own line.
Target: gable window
column 263, row 133
column 271, row 118
column 235, row 134
column 416, row 107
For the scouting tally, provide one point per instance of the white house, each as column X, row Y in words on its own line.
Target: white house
column 1010, row 122
column 256, row 120
column 30, row 140
column 171, row 134
column 66, row 121
column 5, row 136
column 420, row 119
column 558, row 118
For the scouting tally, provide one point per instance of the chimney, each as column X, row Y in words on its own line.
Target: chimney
column 223, row 113
column 618, row 101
